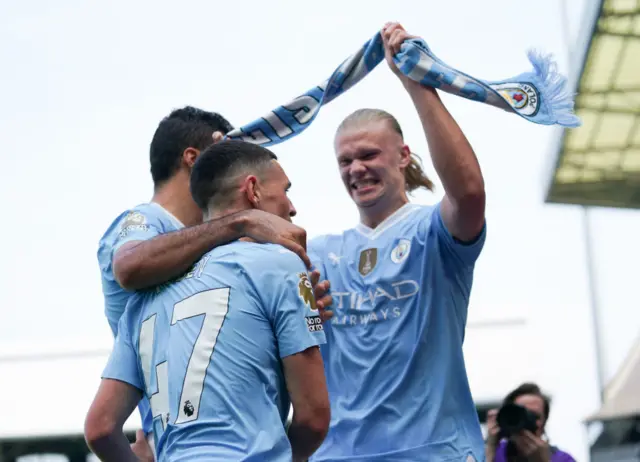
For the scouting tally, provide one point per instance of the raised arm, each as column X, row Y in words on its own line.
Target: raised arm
column 463, row 205
column 142, row 264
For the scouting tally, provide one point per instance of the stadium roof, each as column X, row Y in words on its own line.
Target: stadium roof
column 599, row 163
column 622, row 395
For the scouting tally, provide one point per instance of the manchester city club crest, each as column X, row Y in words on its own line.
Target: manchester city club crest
column 401, row 251
column 368, row 260
column 523, row 97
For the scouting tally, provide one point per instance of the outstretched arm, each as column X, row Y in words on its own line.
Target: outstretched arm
column 463, row 205
column 141, row 264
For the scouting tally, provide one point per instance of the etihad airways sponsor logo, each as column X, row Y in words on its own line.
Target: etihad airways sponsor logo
column 381, row 303
column 375, row 295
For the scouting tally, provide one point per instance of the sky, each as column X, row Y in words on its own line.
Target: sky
column 84, row 84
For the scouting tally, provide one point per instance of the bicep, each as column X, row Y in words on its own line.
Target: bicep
column 113, row 404
column 465, row 252
column 304, row 375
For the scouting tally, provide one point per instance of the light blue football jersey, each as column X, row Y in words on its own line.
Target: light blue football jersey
column 234, row 316
column 141, row 223
column 139, row 356
column 393, row 359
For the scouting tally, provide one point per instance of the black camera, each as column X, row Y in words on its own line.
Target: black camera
column 513, row 418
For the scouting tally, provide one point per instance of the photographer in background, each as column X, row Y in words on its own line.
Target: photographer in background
column 516, row 430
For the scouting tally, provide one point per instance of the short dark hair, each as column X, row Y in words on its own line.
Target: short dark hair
column 222, row 161
column 529, row 388
column 184, row 128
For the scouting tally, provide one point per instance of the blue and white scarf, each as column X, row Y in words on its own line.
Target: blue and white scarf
column 539, row 96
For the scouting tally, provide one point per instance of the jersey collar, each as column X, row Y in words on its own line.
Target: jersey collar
column 395, row 217
column 177, row 223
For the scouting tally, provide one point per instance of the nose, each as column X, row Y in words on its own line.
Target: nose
column 292, row 210
column 357, row 167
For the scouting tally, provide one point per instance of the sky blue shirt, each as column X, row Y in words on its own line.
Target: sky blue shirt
column 393, row 358
column 141, row 223
column 230, row 320
column 139, row 358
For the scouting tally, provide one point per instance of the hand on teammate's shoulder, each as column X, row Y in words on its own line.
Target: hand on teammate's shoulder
column 266, row 227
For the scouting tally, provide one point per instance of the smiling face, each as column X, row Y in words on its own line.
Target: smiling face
column 372, row 158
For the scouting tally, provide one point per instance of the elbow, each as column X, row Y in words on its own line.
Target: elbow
column 98, row 431
column 124, row 272
column 316, row 422
column 475, row 193
column 473, row 199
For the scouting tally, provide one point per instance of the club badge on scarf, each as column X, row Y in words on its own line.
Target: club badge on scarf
column 539, row 96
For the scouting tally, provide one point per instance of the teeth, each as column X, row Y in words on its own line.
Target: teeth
column 363, row 183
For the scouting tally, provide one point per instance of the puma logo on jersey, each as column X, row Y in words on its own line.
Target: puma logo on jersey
column 335, row 259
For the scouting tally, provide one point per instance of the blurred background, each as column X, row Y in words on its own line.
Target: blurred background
column 83, row 86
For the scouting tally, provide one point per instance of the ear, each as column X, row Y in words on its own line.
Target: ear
column 405, row 156
column 189, row 156
column 251, row 189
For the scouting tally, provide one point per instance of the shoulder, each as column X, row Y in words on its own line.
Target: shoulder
column 423, row 213
column 140, row 215
column 256, row 258
column 276, row 257
column 321, row 244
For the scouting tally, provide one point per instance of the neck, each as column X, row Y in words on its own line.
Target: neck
column 175, row 197
column 215, row 213
column 374, row 215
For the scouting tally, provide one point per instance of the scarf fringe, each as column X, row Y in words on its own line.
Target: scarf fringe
column 553, row 89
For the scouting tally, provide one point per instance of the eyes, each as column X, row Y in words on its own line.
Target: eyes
column 363, row 157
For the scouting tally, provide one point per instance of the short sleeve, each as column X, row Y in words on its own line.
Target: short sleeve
column 465, row 252
column 123, row 361
column 135, row 225
column 291, row 304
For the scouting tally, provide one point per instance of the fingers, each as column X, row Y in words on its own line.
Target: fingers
column 323, row 298
column 315, row 277
column 297, row 249
column 217, row 137
column 526, row 442
column 319, row 288
column 140, row 435
column 301, row 237
column 324, row 302
column 393, row 36
column 326, row 315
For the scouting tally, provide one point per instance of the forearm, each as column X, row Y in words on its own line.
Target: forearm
column 167, row 256
column 113, row 447
column 452, row 156
column 304, row 441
